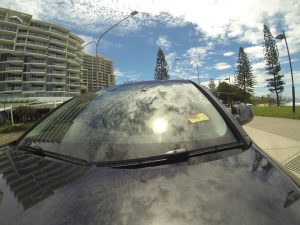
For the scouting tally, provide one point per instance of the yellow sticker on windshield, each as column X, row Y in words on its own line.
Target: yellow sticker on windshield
column 200, row 117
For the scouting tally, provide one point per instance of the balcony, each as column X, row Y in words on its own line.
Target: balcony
column 20, row 49
column 37, row 71
column 58, row 89
column 59, row 32
column 74, row 69
column 13, row 78
column 36, row 79
column 58, row 67
column 21, row 41
column 37, row 43
column 58, row 40
column 71, row 46
column 10, row 38
column 15, row 88
column 58, row 64
column 36, row 89
column 38, row 35
column 71, row 52
column 58, row 81
column 58, row 72
column 56, row 55
column 74, row 76
column 14, row 20
column 14, row 59
column 13, row 68
column 72, row 61
column 38, row 27
column 37, row 61
column 6, row 47
column 56, row 47
column 22, row 32
column 8, row 29
column 35, row 51
column 74, row 84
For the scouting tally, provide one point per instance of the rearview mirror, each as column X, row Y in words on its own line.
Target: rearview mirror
column 243, row 113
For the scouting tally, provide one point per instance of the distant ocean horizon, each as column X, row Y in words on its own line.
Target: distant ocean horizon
column 291, row 104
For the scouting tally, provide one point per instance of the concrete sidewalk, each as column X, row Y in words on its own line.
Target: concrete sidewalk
column 282, row 145
column 6, row 138
column 288, row 128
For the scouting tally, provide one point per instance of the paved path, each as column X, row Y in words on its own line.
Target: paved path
column 279, row 139
column 6, row 138
column 284, row 127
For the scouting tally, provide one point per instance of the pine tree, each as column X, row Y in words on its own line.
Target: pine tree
column 161, row 68
column 275, row 84
column 244, row 77
column 212, row 86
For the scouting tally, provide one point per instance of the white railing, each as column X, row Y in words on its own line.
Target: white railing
column 13, row 78
column 37, row 70
column 13, row 68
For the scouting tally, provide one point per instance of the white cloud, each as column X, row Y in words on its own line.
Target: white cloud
column 260, row 78
column 222, row 66
column 227, row 54
column 119, row 73
column 197, row 52
column 163, row 42
column 258, row 65
column 255, row 52
column 215, row 19
column 187, row 65
column 126, row 76
column 253, row 35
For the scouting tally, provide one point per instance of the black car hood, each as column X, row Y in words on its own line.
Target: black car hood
column 243, row 188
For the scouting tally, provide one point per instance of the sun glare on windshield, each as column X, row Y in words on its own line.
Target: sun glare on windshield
column 160, row 126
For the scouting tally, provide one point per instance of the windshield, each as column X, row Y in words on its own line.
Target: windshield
column 132, row 121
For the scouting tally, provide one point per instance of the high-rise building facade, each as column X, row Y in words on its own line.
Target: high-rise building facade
column 37, row 58
column 97, row 73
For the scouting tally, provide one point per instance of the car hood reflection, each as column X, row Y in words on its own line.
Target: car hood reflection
column 241, row 189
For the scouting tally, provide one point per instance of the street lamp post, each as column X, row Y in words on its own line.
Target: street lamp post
column 195, row 60
column 89, row 43
column 133, row 13
column 280, row 37
column 130, row 15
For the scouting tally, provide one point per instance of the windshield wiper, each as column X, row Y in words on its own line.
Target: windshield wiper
column 37, row 150
column 170, row 157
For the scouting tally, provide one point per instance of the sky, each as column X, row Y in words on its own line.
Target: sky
column 207, row 33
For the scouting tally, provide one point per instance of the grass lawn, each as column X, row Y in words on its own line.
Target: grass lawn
column 277, row 111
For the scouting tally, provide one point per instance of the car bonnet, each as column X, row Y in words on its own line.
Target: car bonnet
column 242, row 188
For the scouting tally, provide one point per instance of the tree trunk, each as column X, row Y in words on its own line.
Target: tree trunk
column 275, row 86
column 244, row 89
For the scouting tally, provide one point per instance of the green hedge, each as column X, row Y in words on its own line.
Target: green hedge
column 16, row 128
